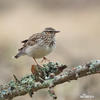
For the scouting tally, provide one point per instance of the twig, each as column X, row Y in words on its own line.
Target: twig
column 16, row 79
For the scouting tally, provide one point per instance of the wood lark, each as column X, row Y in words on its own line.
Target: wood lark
column 38, row 45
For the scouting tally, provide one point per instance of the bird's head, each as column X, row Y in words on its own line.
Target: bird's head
column 50, row 30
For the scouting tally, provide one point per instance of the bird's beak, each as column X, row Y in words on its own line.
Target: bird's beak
column 57, row 31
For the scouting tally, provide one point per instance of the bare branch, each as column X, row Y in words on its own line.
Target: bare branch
column 29, row 85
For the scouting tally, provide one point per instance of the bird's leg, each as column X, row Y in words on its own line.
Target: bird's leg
column 45, row 59
column 35, row 61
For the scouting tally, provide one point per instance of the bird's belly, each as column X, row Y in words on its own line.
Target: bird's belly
column 38, row 52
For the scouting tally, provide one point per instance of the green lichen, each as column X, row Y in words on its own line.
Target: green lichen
column 92, row 67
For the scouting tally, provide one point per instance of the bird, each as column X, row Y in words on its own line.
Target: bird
column 38, row 45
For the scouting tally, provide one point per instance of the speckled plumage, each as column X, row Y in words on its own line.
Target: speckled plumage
column 39, row 44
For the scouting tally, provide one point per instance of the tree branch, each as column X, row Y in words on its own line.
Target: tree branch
column 29, row 84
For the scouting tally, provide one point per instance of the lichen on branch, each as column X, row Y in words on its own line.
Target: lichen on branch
column 28, row 84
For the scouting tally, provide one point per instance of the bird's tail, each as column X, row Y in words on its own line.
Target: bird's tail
column 18, row 55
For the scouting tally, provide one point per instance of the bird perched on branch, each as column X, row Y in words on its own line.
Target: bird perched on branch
column 38, row 45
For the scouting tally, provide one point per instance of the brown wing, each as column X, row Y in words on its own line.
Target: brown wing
column 31, row 41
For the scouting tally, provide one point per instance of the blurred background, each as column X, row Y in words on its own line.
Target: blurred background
column 77, row 43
